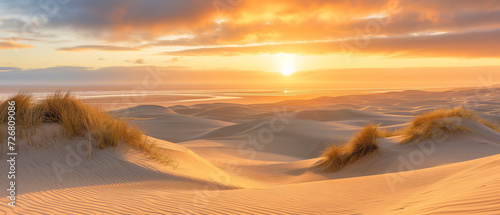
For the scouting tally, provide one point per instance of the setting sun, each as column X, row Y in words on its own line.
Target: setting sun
column 287, row 70
column 286, row 63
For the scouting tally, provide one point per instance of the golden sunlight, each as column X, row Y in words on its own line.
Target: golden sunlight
column 286, row 63
column 287, row 70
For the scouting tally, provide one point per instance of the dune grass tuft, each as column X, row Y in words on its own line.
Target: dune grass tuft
column 436, row 123
column 428, row 126
column 77, row 119
column 26, row 115
column 362, row 145
column 387, row 133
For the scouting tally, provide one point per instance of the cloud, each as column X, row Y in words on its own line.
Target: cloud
column 175, row 42
column 476, row 44
column 13, row 45
column 274, row 26
column 97, row 48
column 65, row 75
column 9, row 69
column 120, row 20
column 19, row 39
column 260, row 21
column 173, row 60
column 12, row 24
column 137, row 61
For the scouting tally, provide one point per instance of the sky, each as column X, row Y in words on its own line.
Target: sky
column 259, row 43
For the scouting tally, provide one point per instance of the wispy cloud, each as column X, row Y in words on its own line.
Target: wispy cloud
column 137, row 61
column 19, row 39
column 476, row 44
column 173, row 60
column 9, row 69
column 97, row 48
column 13, row 45
column 79, row 75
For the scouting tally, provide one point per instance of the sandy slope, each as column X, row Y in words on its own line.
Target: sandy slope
column 468, row 187
column 256, row 159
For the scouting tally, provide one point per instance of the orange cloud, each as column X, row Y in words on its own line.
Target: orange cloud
column 280, row 21
column 97, row 48
column 469, row 45
column 261, row 21
column 284, row 25
column 137, row 61
column 13, row 45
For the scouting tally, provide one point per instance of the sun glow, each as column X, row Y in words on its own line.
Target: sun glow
column 286, row 64
column 287, row 70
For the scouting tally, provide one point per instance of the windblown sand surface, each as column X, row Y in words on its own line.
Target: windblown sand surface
column 257, row 159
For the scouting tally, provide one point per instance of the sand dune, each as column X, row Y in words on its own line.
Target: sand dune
column 450, row 189
column 65, row 164
column 257, row 159
column 351, row 117
column 163, row 123
column 392, row 157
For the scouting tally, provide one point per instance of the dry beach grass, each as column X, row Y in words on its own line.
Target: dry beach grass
column 436, row 123
column 76, row 119
column 430, row 125
column 362, row 145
